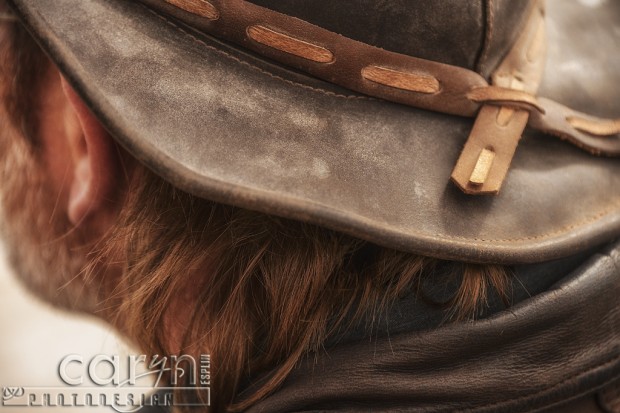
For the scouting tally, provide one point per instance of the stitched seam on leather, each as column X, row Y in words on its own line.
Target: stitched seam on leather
column 548, row 389
column 548, row 234
column 243, row 62
column 333, row 94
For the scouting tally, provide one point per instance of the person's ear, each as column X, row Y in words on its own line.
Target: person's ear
column 96, row 164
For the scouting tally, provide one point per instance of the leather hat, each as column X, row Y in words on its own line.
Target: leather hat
column 429, row 126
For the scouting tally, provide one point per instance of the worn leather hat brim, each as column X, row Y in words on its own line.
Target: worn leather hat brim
column 233, row 128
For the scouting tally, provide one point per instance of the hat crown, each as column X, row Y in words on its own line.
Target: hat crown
column 470, row 34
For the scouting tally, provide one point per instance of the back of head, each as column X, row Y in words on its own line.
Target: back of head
column 265, row 267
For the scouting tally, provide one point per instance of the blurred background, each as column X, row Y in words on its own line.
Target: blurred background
column 35, row 337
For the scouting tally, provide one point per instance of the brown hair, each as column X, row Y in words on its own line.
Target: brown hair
column 272, row 290
column 264, row 291
column 22, row 69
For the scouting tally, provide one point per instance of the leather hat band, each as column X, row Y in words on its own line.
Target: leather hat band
column 502, row 109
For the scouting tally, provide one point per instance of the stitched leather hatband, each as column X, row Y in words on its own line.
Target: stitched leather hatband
column 416, row 82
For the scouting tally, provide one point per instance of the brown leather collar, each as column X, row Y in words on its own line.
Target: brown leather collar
column 541, row 354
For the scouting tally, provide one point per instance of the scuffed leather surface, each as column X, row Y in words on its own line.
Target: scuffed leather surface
column 504, row 20
column 447, row 31
column 594, row 80
column 230, row 127
column 557, row 348
column 350, row 57
column 470, row 34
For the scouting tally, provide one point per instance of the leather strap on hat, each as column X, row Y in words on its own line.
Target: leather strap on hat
column 486, row 157
column 502, row 109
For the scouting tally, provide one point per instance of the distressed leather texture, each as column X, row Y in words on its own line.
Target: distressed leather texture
column 558, row 351
column 230, row 126
column 503, row 22
column 349, row 57
column 435, row 31
column 470, row 34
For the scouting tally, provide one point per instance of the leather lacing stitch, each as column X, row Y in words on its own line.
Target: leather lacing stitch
column 258, row 69
column 482, row 166
column 586, row 221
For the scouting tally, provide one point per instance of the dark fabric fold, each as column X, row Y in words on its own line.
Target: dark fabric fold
column 558, row 346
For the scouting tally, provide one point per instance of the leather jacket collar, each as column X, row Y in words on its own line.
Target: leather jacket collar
column 561, row 344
